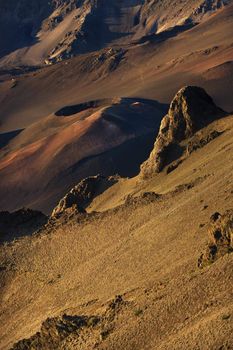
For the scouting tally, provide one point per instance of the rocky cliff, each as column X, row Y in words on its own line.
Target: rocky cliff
column 191, row 109
column 82, row 194
column 61, row 29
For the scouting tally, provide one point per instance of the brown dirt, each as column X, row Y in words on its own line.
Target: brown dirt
column 146, row 251
column 131, row 261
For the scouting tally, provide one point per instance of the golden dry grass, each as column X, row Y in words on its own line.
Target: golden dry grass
column 146, row 252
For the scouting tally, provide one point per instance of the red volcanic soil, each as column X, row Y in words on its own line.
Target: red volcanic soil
column 154, row 70
column 40, row 164
column 57, row 151
column 142, row 260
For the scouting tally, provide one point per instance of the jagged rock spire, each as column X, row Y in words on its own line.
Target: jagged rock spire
column 191, row 109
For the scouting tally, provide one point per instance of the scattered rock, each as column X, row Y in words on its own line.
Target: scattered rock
column 174, row 166
column 106, row 61
column 114, row 304
column 214, row 217
column 54, row 330
column 144, row 198
column 199, row 142
column 81, row 195
column 205, row 207
column 221, row 233
column 85, row 331
column 14, row 83
column 191, row 109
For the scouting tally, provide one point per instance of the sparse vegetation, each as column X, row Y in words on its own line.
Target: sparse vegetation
column 138, row 312
column 104, row 334
column 226, row 317
column 113, row 263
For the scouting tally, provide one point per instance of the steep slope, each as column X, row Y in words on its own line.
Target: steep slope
column 25, row 101
column 191, row 109
column 155, row 69
column 159, row 16
column 20, row 21
column 128, row 277
column 49, row 157
column 52, row 31
column 193, row 123
column 123, row 262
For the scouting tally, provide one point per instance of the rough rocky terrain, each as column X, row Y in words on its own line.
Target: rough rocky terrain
column 128, row 274
column 82, row 194
column 155, row 69
column 221, row 231
column 127, row 259
column 190, row 110
column 48, row 32
column 48, row 158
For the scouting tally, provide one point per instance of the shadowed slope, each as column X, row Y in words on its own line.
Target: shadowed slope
column 152, row 70
column 134, row 267
column 41, row 31
column 51, row 156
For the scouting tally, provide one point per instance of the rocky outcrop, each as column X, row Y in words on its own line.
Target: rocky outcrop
column 107, row 60
column 80, row 26
column 85, row 332
column 198, row 142
column 55, row 330
column 191, row 109
column 221, row 238
column 160, row 15
column 81, row 195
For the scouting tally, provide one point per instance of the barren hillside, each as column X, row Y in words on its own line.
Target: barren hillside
column 44, row 160
column 154, row 69
column 40, row 32
column 128, row 274
column 116, row 167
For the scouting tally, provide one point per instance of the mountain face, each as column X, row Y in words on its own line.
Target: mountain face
column 191, row 109
column 73, row 143
column 116, row 217
column 71, row 120
column 47, row 32
column 98, row 274
column 20, row 22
